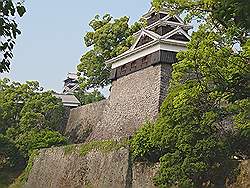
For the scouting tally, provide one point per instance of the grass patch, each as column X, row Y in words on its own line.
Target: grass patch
column 103, row 146
column 69, row 149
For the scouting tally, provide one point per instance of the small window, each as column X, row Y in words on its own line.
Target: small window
column 145, row 59
column 133, row 65
column 123, row 67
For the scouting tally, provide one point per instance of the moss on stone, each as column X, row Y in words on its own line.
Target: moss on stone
column 89, row 185
column 103, row 146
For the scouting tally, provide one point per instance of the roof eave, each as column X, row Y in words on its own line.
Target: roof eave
column 148, row 45
column 126, row 54
column 164, row 10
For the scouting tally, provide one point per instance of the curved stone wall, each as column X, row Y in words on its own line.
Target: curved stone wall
column 82, row 120
column 134, row 99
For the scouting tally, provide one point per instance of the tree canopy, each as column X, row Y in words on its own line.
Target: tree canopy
column 9, row 10
column 29, row 120
column 109, row 38
column 222, row 13
column 88, row 97
column 204, row 120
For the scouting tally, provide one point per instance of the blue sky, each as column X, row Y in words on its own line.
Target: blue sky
column 51, row 42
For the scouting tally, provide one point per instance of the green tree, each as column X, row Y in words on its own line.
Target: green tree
column 89, row 97
column 9, row 10
column 109, row 38
column 11, row 161
column 205, row 117
column 9, row 154
column 224, row 12
column 29, row 118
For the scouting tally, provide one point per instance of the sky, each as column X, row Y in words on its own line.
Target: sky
column 51, row 42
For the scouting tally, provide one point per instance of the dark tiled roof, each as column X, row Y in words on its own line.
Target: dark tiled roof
column 68, row 100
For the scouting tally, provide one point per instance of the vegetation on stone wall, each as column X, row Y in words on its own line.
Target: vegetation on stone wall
column 204, row 120
column 109, row 38
column 29, row 120
column 89, row 97
column 104, row 146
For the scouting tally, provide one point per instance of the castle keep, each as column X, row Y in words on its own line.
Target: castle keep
column 140, row 79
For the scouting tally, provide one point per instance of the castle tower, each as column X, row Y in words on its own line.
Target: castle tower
column 71, row 83
column 140, row 76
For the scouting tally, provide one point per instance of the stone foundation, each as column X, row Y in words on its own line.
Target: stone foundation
column 62, row 168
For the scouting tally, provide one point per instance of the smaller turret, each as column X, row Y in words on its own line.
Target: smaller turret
column 71, row 84
column 159, row 42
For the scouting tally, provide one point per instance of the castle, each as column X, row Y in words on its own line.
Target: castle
column 140, row 79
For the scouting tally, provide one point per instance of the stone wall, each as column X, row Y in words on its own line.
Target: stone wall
column 166, row 74
column 59, row 168
column 243, row 179
column 82, row 120
column 64, row 120
column 63, row 167
column 142, row 175
column 134, row 99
